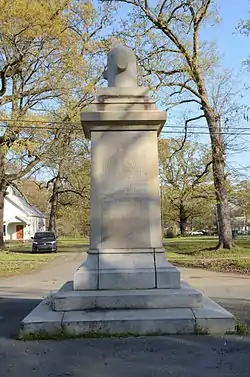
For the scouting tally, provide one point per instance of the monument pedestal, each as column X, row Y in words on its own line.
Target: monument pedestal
column 140, row 269
column 72, row 313
column 126, row 249
column 126, row 285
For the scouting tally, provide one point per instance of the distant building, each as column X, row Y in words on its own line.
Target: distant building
column 241, row 224
column 21, row 220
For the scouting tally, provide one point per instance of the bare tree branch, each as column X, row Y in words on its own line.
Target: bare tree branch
column 203, row 11
column 50, row 181
column 164, row 27
column 171, row 105
column 171, row 16
column 185, row 135
column 73, row 192
column 26, row 170
column 185, row 86
column 161, row 8
column 165, row 73
column 158, row 50
column 205, row 171
column 3, row 83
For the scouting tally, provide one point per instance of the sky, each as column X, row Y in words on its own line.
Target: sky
column 234, row 49
column 233, row 46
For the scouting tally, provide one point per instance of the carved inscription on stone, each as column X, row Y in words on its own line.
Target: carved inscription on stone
column 125, row 224
column 125, row 204
column 125, row 166
column 124, row 190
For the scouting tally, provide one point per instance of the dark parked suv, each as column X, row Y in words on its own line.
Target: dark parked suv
column 44, row 241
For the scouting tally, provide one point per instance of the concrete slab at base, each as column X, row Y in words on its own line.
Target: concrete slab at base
column 42, row 321
column 131, row 299
column 209, row 319
column 213, row 318
column 150, row 321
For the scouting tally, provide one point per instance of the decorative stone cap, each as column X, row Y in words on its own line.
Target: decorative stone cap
column 121, row 109
column 122, row 92
column 149, row 120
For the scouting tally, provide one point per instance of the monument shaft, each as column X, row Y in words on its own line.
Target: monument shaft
column 125, row 202
column 126, row 251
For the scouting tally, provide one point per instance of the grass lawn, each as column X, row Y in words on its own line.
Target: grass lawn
column 18, row 259
column 65, row 245
column 196, row 252
column 12, row 263
column 200, row 252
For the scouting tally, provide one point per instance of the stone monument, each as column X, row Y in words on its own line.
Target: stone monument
column 126, row 250
column 125, row 284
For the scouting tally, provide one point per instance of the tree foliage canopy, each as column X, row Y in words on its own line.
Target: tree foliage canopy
column 186, row 181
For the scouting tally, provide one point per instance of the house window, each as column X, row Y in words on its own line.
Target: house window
column 4, row 230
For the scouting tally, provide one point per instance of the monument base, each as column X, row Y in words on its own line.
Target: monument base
column 123, row 269
column 71, row 313
column 185, row 297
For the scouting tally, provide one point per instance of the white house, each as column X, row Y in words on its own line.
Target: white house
column 241, row 224
column 21, row 220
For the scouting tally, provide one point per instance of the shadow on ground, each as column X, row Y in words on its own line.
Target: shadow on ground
column 12, row 311
column 178, row 356
column 239, row 307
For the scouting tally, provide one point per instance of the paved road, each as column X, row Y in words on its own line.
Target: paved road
column 179, row 356
column 19, row 294
column 230, row 290
column 40, row 283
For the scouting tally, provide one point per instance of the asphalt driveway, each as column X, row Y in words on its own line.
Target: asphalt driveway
column 178, row 356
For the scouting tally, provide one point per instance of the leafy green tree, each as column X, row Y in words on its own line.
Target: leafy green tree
column 27, row 43
column 185, row 172
column 166, row 37
column 69, row 156
column 240, row 200
column 30, row 188
column 44, row 45
column 69, row 166
column 74, row 199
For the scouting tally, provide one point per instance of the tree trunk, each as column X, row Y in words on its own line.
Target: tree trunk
column 224, row 221
column 2, row 192
column 218, row 159
column 220, row 182
column 54, row 203
column 2, row 244
column 182, row 219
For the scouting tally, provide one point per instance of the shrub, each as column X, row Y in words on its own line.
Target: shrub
column 171, row 232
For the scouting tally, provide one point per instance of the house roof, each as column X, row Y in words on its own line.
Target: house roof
column 17, row 219
column 22, row 204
